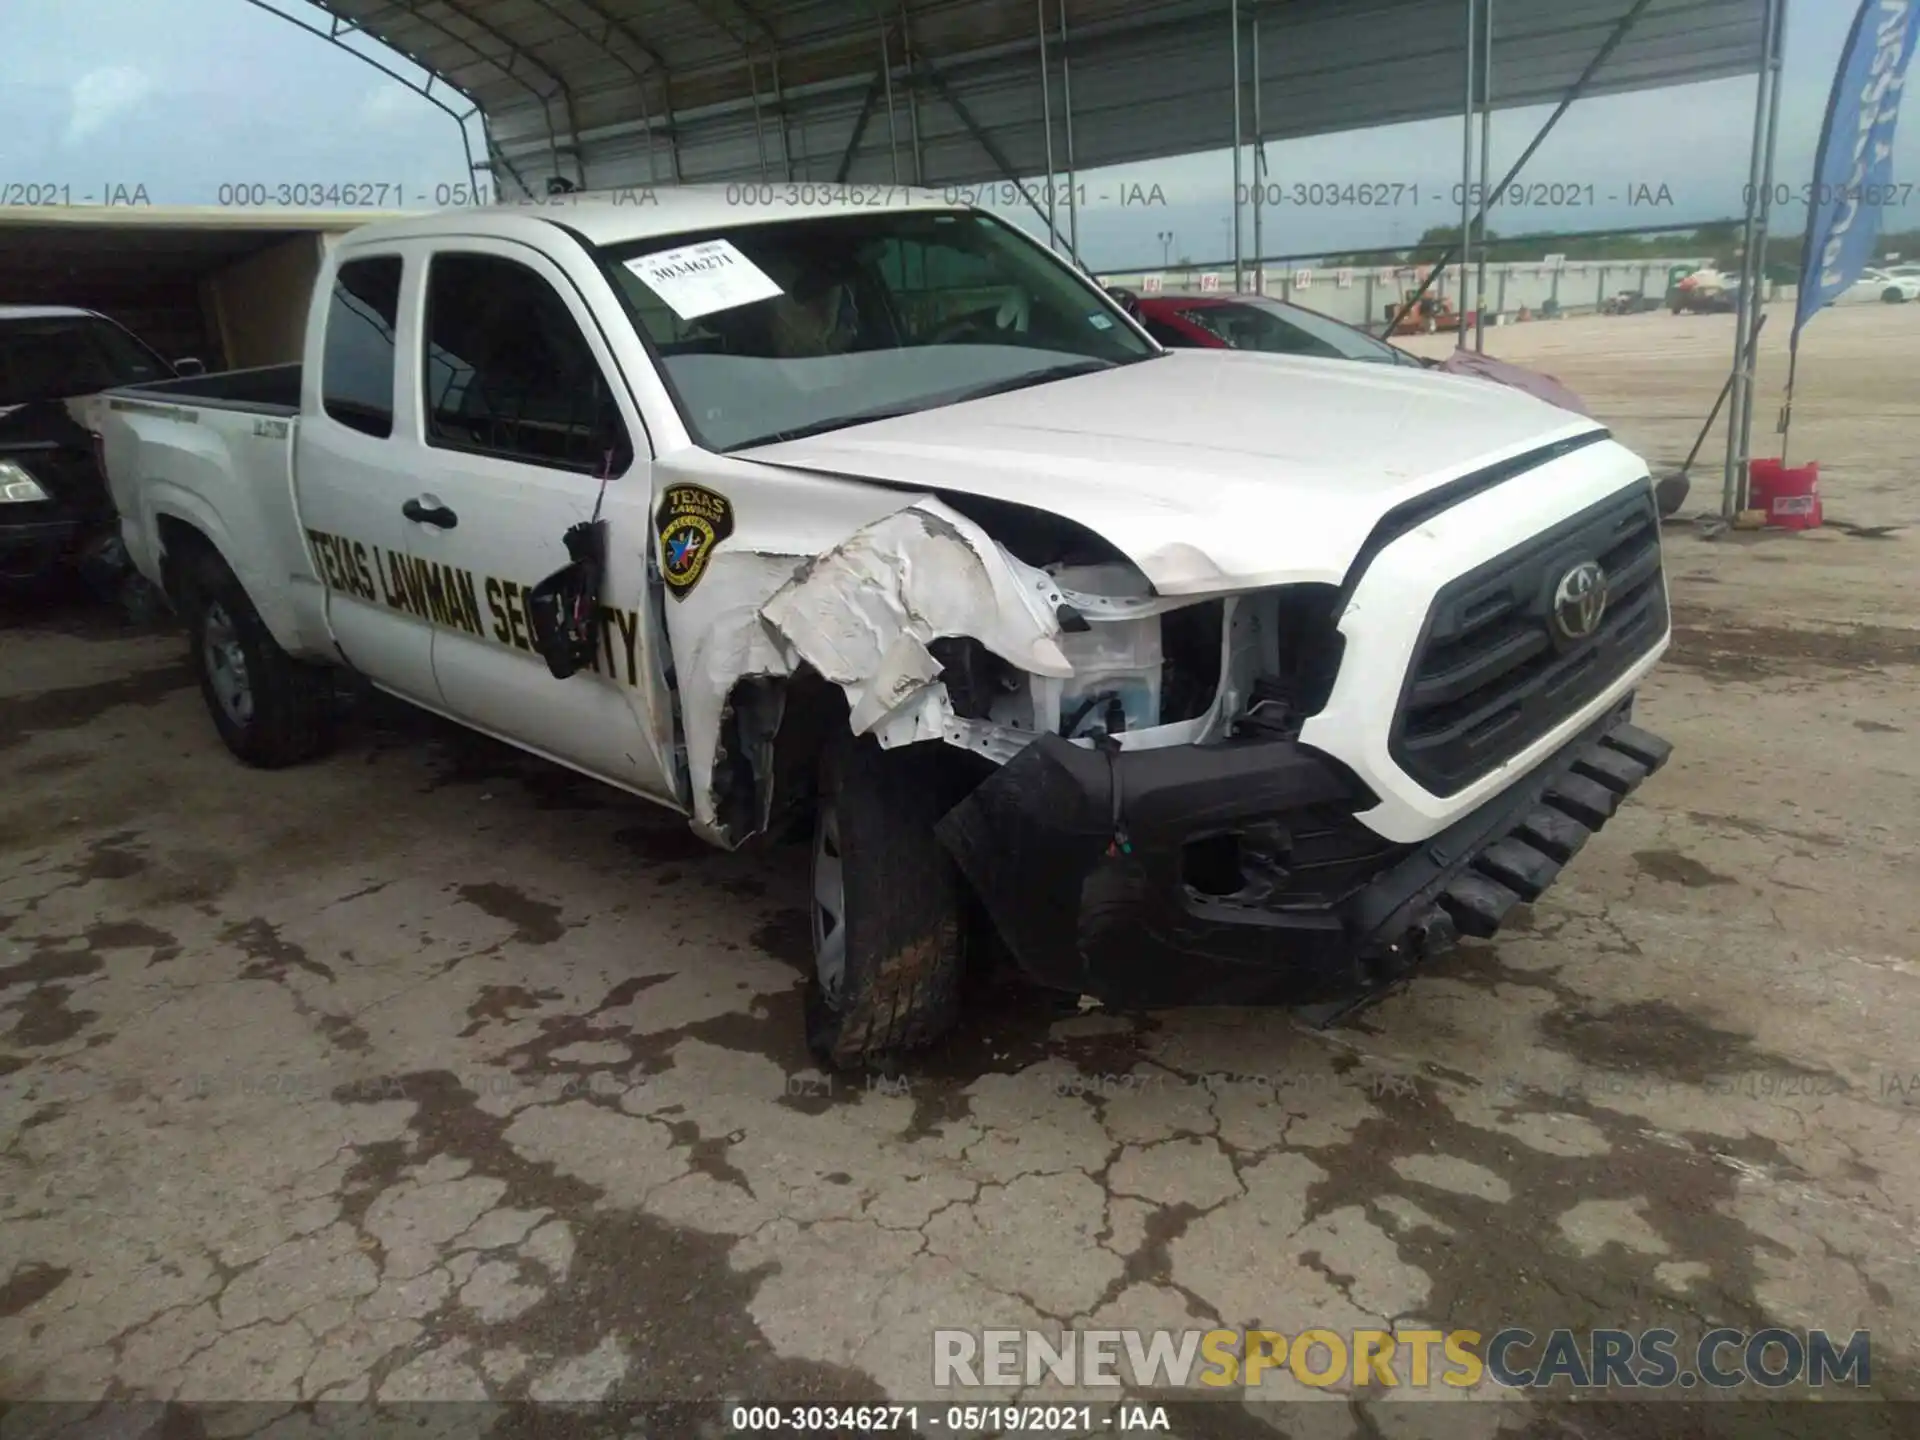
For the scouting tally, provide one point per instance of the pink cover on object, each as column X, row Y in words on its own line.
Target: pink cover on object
column 1541, row 387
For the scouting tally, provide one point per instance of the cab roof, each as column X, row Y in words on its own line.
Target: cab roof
column 643, row 212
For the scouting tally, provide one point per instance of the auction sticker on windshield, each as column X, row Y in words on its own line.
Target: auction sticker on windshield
column 699, row 279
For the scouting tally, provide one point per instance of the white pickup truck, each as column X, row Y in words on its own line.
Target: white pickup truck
column 1182, row 676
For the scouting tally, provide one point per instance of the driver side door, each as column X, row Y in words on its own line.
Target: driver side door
column 525, row 430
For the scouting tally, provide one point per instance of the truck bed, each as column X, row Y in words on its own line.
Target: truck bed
column 266, row 390
column 215, row 452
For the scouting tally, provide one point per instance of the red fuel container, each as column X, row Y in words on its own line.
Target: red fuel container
column 1789, row 495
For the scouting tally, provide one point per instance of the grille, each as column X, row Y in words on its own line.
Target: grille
column 1491, row 675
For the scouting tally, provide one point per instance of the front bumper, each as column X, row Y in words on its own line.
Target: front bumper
column 34, row 549
column 1234, row 874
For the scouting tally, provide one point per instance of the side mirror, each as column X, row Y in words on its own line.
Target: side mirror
column 187, row 366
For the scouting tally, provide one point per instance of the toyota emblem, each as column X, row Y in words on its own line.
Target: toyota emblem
column 1579, row 601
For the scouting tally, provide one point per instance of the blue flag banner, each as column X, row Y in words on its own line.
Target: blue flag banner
column 1854, row 171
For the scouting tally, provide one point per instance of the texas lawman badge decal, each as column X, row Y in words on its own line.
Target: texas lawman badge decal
column 691, row 521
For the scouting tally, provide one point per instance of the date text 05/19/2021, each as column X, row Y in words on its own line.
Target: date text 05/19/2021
column 960, row 1419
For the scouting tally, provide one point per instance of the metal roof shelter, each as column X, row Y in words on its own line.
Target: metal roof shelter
column 606, row 93
column 600, row 94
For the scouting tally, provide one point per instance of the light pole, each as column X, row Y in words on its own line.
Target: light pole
column 1166, row 247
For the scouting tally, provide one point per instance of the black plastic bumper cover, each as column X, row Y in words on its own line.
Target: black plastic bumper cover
column 33, row 548
column 1089, row 891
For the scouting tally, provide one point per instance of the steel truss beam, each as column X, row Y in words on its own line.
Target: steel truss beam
column 412, row 10
column 1574, row 92
column 611, row 25
column 335, row 35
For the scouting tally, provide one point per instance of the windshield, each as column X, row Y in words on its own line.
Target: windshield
column 1277, row 329
column 768, row 331
column 59, row 356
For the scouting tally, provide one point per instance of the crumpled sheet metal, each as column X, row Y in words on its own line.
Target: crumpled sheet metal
column 864, row 613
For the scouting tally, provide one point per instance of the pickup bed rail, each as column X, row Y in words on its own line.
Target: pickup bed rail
column 266, row 389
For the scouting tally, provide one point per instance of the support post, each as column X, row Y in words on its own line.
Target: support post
column 1259, row 166
column 1046, row 118
column 860, row 123
column 1734, row 479
column 1578, row 88
column 674, row 171
column 1466, row 176
column 1486, row 169
column 786, row 135
column 913, row 99
column 1239, row 269
column 893, row 119
column 1073, row 177
column 759, row 127
column 1765, row 229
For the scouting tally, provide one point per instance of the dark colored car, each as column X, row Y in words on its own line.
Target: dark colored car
column 55, row 510
column 1257, row 322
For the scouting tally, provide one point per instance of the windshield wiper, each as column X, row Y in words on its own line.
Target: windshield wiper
column 1034, row 377
column 822, row 427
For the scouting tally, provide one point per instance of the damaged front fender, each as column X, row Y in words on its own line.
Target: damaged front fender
column 861, row 615
column 864, row 614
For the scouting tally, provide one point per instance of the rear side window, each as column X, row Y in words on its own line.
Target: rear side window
column 507, row 371
column 356, row 368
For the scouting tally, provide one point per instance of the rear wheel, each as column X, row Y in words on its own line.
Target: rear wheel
column 1893, row 295
column 887, row 901
column 270, row 709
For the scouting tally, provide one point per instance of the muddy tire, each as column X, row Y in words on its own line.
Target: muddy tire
column 271, row 709
column 888, row 936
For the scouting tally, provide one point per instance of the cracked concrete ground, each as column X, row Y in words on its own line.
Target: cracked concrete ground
column 427, row 1071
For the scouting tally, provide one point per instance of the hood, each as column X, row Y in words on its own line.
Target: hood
column 1209, row 469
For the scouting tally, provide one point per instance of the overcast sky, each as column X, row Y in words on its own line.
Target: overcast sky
column 184, row 96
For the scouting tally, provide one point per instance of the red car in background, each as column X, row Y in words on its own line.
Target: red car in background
column 1258, row 322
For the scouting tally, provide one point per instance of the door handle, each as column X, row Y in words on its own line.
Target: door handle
column 438, row 516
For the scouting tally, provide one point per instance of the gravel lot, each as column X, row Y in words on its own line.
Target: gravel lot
column 429, row 1072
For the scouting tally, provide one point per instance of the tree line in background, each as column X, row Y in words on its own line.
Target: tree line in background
column 1719, row 241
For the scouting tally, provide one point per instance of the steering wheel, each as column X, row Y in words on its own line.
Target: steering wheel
column 964, row 327
column 1007, row 319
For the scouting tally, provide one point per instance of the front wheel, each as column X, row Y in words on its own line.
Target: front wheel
column 270, row 709
column 1893, row 295
column 888, row 940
